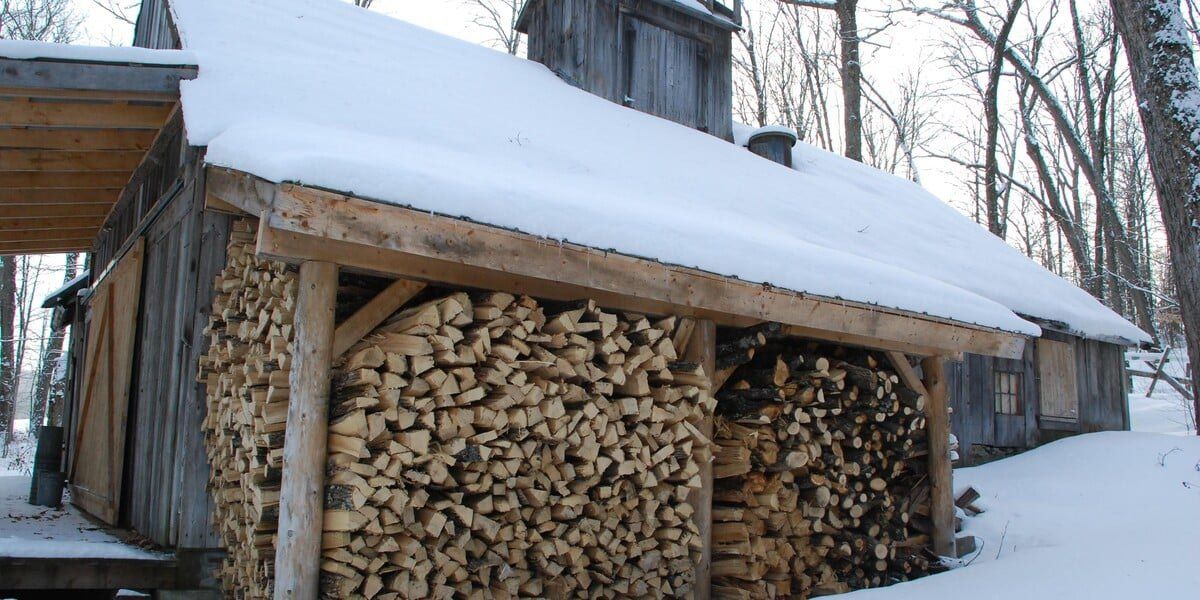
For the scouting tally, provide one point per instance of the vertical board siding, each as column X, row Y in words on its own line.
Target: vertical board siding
column 653, row 53
column 154, row 28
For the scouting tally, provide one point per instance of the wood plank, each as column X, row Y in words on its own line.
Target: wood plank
column 57, row 74
column 1058, row 381
column 702, row 349
column 213, row 203
column 21, row 573
column 849, row 339
column 52, row 196
column 98, row 450
column 43, row 211
column 75, row 94
column 941, row 483
column 307, row 224
column 64, row 160
column 49, row 223
column 75, row 138
column 298, row 553
column 907, row 375
column 63, row 179
column 47, row 235
column 53, row 247
column 373, row 313
column 20, row 113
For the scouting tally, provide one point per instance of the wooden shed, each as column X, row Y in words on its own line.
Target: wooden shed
column 305, row 374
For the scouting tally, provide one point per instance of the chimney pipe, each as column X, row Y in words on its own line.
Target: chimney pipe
column 773, row 143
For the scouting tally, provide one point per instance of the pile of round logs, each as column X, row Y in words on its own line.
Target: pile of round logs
column 487, row 446
column 246, row 372
column 818, row 466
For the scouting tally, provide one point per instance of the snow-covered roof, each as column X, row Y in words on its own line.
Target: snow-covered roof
column 24, row 50
column 322, row 93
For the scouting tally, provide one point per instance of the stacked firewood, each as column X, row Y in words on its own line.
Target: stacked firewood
column 490, row 446
column 246, row 372
column 819, row 469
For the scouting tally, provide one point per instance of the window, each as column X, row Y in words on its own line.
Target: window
column 1006, row 390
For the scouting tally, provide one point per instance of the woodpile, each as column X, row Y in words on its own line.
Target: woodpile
column 819, row 464
column 490, row 446
column 246, row 372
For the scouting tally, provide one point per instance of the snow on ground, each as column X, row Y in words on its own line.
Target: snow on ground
column 1165, row 411
column 41, row 532
column 322, row 93
column 1100, row 516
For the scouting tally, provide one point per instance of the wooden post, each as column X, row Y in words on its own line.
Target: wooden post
column 298, row 551
column 702, row 349
column 941, row 484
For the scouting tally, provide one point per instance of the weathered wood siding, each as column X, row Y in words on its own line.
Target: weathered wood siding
column 641, row 54
column 154, row 28
column 1099, row 373
column 168, row 501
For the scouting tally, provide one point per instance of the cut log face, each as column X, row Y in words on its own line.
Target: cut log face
column 479, row 446
column 246, row 371
column 523, row 451
column 819, row 481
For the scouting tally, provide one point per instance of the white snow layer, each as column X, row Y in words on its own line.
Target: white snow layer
column 1103, row 516
column 323, row 93
column 24, row 50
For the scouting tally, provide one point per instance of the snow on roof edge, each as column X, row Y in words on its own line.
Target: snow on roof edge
column 27, row 50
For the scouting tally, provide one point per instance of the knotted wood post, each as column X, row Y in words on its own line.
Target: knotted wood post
column 298, row 551
column 941, row 484
column 702, row 348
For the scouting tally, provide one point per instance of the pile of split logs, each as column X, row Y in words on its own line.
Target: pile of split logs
column 246, row 372
column 488, row 446
column 819, row 470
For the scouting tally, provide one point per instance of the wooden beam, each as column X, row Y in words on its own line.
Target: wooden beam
column 44, row 211
column 47, row 235
column 247, row 193
column 22, row 113
column 59, row 196
column 75, row 138
column 211, row 202
column 941, row 482
column 308, row 224
column 907, row 375
column 69, row 160
column 350, row 331
column 49, row 74
column 63, row 179
column 73, row 94
column 66, row 573
column 49, row 223
column 702, row 349
column 298, row 551
column 46, row 247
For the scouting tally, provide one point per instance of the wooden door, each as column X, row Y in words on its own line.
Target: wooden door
column 1058, row 383
column 98, row 447
column 665, row 73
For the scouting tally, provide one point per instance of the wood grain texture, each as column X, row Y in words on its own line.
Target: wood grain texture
column 307, row 224
column 702, row 349
column 99, row 441
column 940, row 477
column 298, row 553
column 373, row 313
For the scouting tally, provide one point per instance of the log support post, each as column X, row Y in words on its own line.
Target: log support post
column 298, row 551
column 702, row 348
column 937, row 415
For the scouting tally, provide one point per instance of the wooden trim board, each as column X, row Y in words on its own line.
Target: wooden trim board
column 300, row 223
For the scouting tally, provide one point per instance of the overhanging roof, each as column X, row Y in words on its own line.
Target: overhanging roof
column 74, row 125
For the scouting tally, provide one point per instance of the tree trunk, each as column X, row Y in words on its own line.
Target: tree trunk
column 996, row 218
column 52, row 351
column 9, row 372
column 1164, row 79
column 847, row 11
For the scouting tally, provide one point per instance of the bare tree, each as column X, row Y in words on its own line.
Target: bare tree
column 38, row 20
column 851, row 69
column 991, row 172
column 51, row 354
column 1159, row 51
column 499, row 18
column 125, row 11
column 10, row 370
